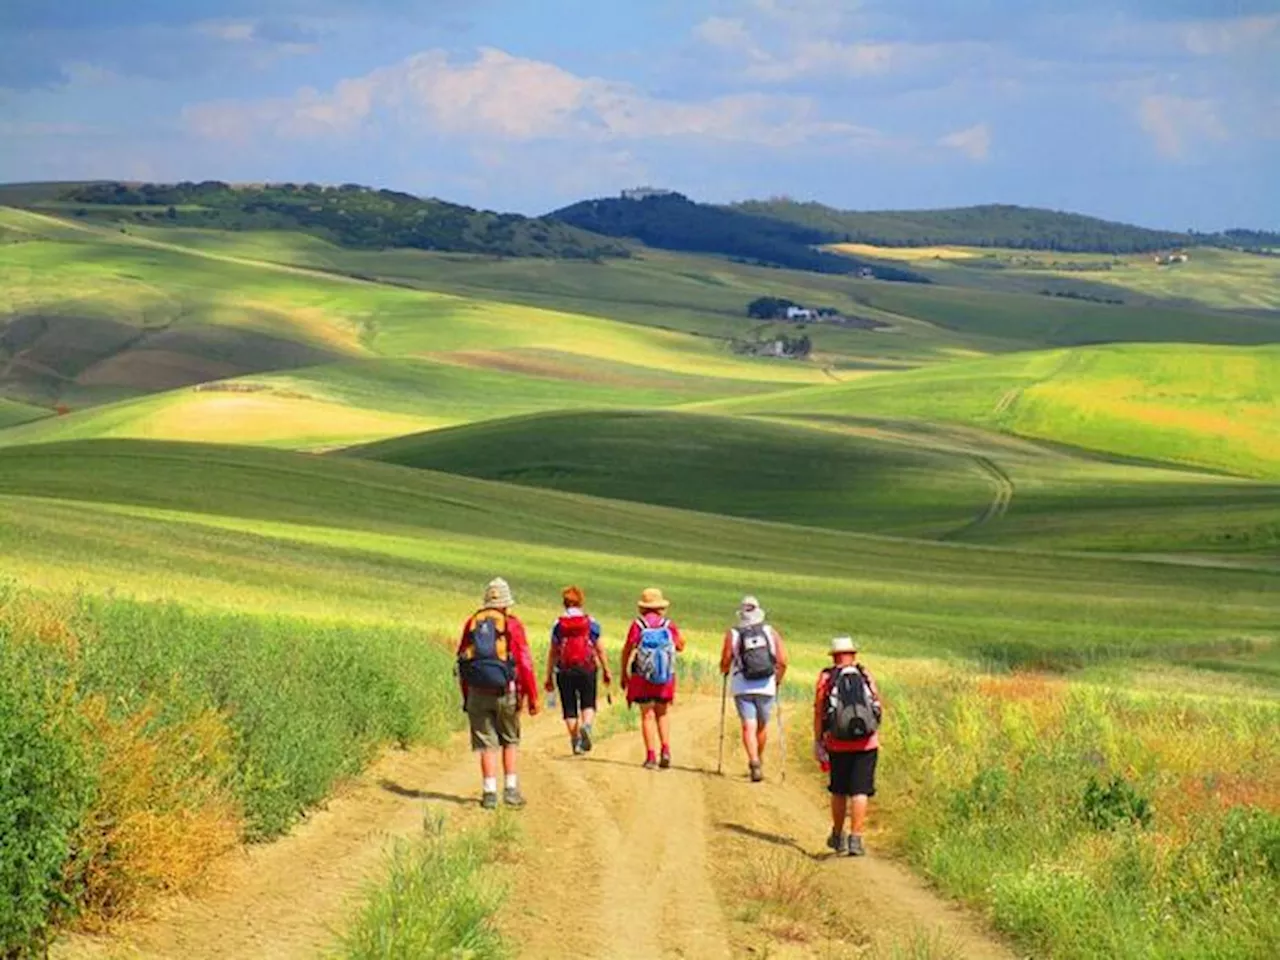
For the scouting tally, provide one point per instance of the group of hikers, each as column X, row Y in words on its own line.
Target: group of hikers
column 498, row 681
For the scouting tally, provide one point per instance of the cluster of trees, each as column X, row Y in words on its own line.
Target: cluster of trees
column 674, row 222
column 990, row 225
column 350, row 215
column 779, row 345
column 1077, row 295
column 775, row 308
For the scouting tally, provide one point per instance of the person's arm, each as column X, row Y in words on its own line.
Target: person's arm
column 526, row 678
column 819, row 707
column 677, row 639
column 726, row 652
column 601, row 658
column 551, row 664
column 782, row 655
column 462, row 645
column 624, row 665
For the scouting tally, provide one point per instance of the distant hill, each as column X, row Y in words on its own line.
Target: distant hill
column 671, row 221
column 991, row 225
column 350, row 215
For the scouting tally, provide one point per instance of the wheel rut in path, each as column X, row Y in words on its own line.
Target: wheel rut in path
column 614, row 861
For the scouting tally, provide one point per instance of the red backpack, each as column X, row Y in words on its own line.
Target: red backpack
column 577, row 652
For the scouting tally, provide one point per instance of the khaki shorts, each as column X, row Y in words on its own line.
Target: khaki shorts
column 494, row 718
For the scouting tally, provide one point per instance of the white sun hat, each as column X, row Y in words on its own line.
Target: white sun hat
column 843, row 645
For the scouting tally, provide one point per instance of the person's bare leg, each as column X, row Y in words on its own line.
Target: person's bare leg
column 762, row 739
column 839, row 810
column 859, row 813
column 751, row 740
column 488, row 763
column 588, row 716
column 572, row 726
column 510, row 760
column 649, row 727
column 664, row 724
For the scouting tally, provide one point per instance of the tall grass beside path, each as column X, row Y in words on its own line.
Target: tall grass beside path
column 1089, row 821
column 139, row 741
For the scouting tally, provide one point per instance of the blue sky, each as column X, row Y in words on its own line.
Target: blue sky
column 1162, row 112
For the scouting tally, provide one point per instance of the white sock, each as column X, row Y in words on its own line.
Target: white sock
column 512, row 781
column 490, row 784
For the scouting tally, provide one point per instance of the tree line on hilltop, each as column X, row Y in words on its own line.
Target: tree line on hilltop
column 994, row 225
column 674, row 222
column 350, row 215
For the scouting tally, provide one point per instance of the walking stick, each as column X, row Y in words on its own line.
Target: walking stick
column 724, row 698
column 782, row 736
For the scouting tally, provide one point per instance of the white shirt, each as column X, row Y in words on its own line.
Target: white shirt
column 741, row 686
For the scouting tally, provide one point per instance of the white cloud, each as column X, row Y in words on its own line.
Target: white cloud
column 1219, row 38
column 974, row 142
column 803, row 51
column 1177, row 124
column 502, row 97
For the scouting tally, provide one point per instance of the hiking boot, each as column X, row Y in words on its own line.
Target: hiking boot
column 757, row 771
column 665, row 760
column 578, row 748
column 856, row 849
column 650, row 763
column 585, row 740
column 489, row 801
column 512, row 797
column 836, row 842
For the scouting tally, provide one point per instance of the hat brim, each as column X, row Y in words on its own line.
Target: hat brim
column 662, row 605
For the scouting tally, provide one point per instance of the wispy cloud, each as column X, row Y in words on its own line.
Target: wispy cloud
column 499, row 96
column 973, row 142
column 1178, row 124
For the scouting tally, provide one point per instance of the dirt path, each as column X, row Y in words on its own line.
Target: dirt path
column 615, row 861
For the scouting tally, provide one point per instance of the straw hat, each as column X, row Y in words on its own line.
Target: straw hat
column 497, row 595
column 651, row 598
column 843, row 645
column 750, row 613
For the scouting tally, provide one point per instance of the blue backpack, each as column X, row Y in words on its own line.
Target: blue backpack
column 656, row 654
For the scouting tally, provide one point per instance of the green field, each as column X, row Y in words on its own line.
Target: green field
column 287, row 468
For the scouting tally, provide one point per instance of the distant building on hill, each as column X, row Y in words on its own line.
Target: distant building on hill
column 644, row 193
column 799, row 313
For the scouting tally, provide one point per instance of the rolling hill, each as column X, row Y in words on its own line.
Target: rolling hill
column 1216, row 408
column 992, row 225
column 351, row 215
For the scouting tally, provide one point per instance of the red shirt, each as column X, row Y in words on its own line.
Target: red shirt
column 639, row 688
column 820, row 712
column 526, row 681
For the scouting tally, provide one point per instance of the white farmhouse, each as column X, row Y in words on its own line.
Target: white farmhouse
column 799, row 313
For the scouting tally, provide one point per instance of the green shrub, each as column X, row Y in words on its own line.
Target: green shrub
column 1105, row 808
column 438, row 899
column 44, row 790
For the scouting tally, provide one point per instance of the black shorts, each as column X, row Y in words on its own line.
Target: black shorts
column 853, row 774
column 577, row 691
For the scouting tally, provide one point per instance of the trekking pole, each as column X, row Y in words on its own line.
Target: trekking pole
column 724, row 698
column 782, row 736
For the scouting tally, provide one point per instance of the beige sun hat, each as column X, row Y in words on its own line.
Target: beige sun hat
column 750, row 613
column 651, row 598
column 843, row 645
column 497, row 594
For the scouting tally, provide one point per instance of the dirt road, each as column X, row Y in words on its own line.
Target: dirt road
column 615, row 861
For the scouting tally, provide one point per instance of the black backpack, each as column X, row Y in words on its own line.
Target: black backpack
column 756, row 659
column 487, row 660
column 852, row 711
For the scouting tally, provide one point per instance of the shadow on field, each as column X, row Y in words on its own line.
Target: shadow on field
column 414, row 794
column 777, row 839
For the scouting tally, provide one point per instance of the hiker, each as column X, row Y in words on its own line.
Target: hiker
column 495, row 670
column 754, row 658
column 573, row 663
column 648, row 672
column 846, row 721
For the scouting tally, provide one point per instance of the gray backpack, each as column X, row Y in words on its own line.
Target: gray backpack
column 852, row 711
column 756, row 659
